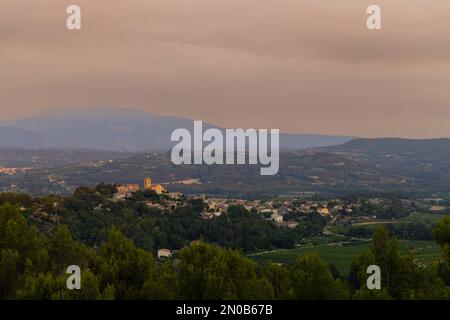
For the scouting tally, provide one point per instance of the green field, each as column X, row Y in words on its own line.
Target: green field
column 341, row 255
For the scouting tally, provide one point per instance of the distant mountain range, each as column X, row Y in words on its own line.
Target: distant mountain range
column 120, row 130
column 362, row 165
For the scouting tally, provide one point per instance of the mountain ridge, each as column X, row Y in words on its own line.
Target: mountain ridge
column 115, row 129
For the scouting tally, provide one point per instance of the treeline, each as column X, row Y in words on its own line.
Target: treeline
column 33, row 265
column 390, row 208
column 404, row 231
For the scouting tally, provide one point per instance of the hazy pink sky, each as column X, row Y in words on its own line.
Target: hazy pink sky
column 298, row 65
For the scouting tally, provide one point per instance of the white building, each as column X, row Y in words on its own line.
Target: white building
column 164, row 253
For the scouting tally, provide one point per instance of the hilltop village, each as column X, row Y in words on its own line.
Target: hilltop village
column 283, row 212
column 274, row 210
column 126, row 190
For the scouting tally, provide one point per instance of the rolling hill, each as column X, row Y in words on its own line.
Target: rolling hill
column 359, row 166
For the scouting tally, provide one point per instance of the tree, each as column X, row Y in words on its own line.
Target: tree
column 88, row 195
column 278, row 277
column 442, row 231
column 16, row 199
column 442, row 235
column 9, row 272
column 123, row 266
column 89, row 288
column 312, row 279
column 106, row 190
column 399, row 274
column 38, row 287
column 64, row 251
column 210, row 272
column 162, row 284
column 17, row 235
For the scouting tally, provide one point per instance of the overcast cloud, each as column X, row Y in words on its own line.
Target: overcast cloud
column 298, row 65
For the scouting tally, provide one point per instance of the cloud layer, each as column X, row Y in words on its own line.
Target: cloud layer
column 297, row 65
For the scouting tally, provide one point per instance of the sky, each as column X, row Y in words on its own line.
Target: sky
column 304, row 66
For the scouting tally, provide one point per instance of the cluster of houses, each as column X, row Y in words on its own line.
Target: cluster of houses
column 8, row 171
column 12, row 171
column 165, row 205
column 126, row 190
column 276, row 209
column 44, row 216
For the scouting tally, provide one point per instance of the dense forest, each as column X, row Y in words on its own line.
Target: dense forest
column 115, row 249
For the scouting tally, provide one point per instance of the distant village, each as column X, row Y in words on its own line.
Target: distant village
column 283, row 212
column 280, row 211
column 10, row 171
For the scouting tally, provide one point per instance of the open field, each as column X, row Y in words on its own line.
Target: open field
column 341, row 255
